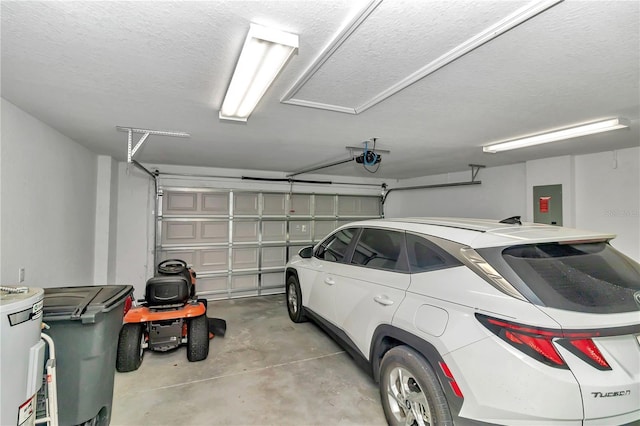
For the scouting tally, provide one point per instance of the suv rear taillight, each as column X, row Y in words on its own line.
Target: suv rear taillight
column 538, row 343
column 586, row 350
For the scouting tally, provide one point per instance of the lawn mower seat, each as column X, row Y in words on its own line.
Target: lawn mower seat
column 167, row 290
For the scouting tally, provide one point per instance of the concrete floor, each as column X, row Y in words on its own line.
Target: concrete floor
column 266, row 370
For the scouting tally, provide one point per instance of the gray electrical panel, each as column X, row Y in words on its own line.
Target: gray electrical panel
column 547, row 204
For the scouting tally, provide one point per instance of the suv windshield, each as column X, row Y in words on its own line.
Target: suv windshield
column 589, row 277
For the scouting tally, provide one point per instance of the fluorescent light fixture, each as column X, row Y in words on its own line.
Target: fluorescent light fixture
column 558, row 135
column 264, row 54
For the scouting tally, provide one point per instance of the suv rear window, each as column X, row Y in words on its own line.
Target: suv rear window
column 380, row 249
column 589, row 277
column 427, row 256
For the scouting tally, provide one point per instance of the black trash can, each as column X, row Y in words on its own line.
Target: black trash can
column 85, row 323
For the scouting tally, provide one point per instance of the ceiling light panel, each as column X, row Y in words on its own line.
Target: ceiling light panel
column 558, row 135
column 264, row 53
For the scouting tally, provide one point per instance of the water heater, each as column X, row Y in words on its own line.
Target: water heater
column 22, row 353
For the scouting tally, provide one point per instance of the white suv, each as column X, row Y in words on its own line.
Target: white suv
column 477, row 321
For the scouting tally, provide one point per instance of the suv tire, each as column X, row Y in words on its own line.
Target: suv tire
column 294, row 300
column 409, row 388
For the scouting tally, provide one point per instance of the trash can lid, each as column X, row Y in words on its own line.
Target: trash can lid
column 77, row 303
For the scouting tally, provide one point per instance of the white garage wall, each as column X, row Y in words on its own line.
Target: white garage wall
column 104, row 271
column 500, row 195
column 607, row 189
column 134, row 253
column 48, row 204
column 136, row 201
column 596, row 195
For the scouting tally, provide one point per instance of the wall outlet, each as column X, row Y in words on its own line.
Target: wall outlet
column 21, row 275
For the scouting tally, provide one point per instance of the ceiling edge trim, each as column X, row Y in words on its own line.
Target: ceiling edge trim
column 320, row 105
column 330, row 49
column 507, row 23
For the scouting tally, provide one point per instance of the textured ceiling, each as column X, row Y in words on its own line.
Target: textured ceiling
column 377, row 55
column 86, row 67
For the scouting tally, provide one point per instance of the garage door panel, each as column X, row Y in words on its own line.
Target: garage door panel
column 212, row 284
column 273, row 257
column 300, row 230
column 189, row 256
column 239, row 241
column 273, row 280
column 369, row 206
column 274, row 231
column 245, row 231
column 185, row 203
column 214, row 260
column 181, row 203
column 215, row 203
column 244, row 282
column 358, row 206
column 245, row 204
column 300, row 205
column 274, row 204
column 348, row 206
column 195, row 232
column 214, row 232
column 244, row 258
column 324, row 205
column 322, row 228
column 178, row 231
column 245, row 293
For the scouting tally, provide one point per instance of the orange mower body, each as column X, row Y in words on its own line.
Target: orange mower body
column 141, row 314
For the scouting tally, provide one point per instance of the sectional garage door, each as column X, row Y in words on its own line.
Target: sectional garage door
column 239, row 242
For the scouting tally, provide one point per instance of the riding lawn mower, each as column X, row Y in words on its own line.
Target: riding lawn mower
column 170, row 315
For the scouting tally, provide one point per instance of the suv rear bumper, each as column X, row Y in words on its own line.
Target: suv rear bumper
column 502, row 386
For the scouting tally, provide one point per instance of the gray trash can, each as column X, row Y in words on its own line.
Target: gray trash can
column 85, row 323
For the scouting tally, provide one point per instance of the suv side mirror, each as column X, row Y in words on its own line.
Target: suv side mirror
column 306, row 253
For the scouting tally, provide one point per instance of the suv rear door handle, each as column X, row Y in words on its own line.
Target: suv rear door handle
column 329, row 281
column 383, row 300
